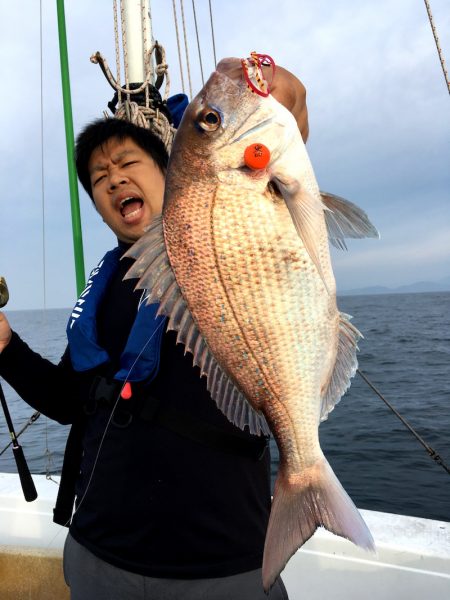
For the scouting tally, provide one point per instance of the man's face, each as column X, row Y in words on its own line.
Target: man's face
column 127, row 187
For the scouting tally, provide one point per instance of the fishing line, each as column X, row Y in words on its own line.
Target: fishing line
column 103, row 439
column 34, row 417
column 48, row 454
column 433, row 454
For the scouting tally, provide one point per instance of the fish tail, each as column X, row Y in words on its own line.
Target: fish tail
column 301, row 504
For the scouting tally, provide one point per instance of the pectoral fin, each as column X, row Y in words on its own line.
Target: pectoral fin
column 345, row 220
column 306, row 212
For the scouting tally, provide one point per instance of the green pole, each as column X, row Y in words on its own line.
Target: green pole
column 68, row 122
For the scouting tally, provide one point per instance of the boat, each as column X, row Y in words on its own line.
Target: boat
column 412, row 560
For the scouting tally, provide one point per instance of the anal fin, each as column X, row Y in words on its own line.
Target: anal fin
column 345, row 365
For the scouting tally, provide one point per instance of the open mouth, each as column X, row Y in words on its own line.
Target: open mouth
column 130, row 207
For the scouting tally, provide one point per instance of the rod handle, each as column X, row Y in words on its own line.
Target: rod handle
column 29, row 490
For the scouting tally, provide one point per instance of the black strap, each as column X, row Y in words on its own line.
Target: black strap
column 104, row 392
column 205, row 433
column 62, row 513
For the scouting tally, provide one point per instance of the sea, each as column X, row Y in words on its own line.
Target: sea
column 405, row 354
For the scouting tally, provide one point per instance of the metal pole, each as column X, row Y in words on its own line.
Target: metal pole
column 134, row 32
column 68, row 122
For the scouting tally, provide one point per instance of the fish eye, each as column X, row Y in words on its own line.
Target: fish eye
column 209, row 119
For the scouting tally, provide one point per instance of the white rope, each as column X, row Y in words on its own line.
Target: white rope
column 436, row 39
column 117, row 46
column 212, row 33
column 147, row 116
column 124, row 48
column 143, row 116
column 198, row 42
column 150, row 20
column 175, row 19
column 186, row 48
column 145, row 45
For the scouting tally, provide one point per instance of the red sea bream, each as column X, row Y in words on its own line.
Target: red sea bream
column 240, row 263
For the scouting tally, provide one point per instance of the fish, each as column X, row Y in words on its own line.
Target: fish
column 239, row 262
column 4, row 294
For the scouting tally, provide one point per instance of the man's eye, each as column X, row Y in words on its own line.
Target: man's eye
column 130, row 162
column 98, row 179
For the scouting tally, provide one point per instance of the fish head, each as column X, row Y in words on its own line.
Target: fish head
column 222, row 120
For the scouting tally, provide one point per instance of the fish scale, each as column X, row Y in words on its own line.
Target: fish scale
column 241, row 242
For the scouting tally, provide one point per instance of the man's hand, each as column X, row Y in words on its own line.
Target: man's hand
column 284, row 87
column 291, row 93
column 5, row 332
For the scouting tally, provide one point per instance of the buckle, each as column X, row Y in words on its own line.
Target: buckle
column 104, row 390
column 264, row 444
column 121, row 418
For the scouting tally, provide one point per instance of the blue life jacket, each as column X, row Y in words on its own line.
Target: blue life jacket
column 140, row 358
column 177, row 104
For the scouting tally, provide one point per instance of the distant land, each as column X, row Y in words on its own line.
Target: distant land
column 443, row 285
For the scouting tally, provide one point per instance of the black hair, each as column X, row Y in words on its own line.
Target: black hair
column 98, row 132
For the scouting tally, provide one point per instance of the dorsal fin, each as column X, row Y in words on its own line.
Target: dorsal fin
column 153, row 269
column 345, row 220
column 345, row 366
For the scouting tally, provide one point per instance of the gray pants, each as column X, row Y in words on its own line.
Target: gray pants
column 91, row 578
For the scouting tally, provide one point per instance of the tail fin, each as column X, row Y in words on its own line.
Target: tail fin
column 314, row 499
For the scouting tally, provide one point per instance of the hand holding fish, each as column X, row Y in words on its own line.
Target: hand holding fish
column 284, row 87
column 291, row 93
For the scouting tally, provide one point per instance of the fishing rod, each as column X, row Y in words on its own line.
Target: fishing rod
column 432, row 453
column 28, row 487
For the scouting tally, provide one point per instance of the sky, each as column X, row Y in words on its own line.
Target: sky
column 379, row 114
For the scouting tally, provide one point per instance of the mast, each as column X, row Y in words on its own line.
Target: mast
column 139, row 100
column 68, row 123
column 136, row 24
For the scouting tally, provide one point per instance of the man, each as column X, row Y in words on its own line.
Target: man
column 172, row 500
